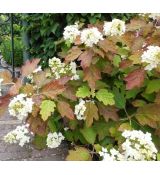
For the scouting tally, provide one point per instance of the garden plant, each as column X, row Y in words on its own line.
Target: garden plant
column 101, row 93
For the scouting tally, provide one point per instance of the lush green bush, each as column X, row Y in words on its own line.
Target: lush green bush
column 118, row 89
column 5, row 48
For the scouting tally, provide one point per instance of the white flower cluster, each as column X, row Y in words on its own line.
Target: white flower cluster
column 138, row 146
column 154, row 16
column 54, row 139
column 60, row 69
column 20, row 135
column 114, row 28
column 71, row 32
column 1, row 80
column 91, row 36
column 113, row 155
column 20, row 106
column 151, row 57
column 80, row 109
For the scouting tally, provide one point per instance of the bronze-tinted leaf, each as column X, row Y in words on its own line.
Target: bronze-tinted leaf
column 86, row 58
column 107, row 45
column 135, row 79
column 65, row 110
column 6, row 76
column 108, row 112
column 92, row 74
column 73, row 54
column 29, row 66
column 14, row 90
column 91, row 113
column 55, row 87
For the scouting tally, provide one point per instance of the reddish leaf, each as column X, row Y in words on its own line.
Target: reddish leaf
column 125, row 63
column 29, row 66
column 136, row 24
column 4, row 101
column 14, row 90
column 55, row 87
column 98, row 52
column 135, row 79
column 70, row 93
column 78, row 40
column 108, row 112
column 6, row 76
column 74, row 53
column 40, row 78
column 37, row 125
column 92, row 74
column 65, row 110
column 107, row 45
column 86, row 58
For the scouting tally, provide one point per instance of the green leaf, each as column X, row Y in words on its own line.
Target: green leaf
column 39, row 142
column 89, row 134
column 158, row 156
column 116, row 60
column 83, row 92
column 153, row 86
column 120, row 100
column 106, row 97
column 47, row 107
column 52, row 125
column 79, row 154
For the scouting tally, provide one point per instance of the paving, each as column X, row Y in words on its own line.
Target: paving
column 13, row 152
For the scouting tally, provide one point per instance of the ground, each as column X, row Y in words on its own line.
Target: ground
column 15, row 152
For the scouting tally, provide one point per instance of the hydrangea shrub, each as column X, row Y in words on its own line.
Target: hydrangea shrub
column 101, row 94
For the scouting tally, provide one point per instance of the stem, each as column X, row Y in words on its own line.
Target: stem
column 129, row 118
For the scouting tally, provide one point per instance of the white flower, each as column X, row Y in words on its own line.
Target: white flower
column 1, row 80
column 73, row 68
column 115, row 28
column 20, row 106
column 60, row 69
column 71, row 32
column 137, row 146
column 151, row 57
column 154, row 16
column 80, row 109
column 91, row 36
column 20, row 135
column 54, row 139
column 38, row 69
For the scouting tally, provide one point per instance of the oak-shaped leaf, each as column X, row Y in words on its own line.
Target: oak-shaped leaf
column 135, row 79
column 69, row 93
column 86, row 58
column 6, row 76
column 108, row 112
column 106, row 97
column 55, row 87
column 73, row 54
column 27, row 89
column 153, row 86
column 40, row 79
column 14, row 90
column 107, row 46
column 79, row 154
column 65, row 110
column 4, row 101
column 91, row 75
column 29, row 66
column 83, row 92
column 90, row 113
column 149, row 114
column 47, row 107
